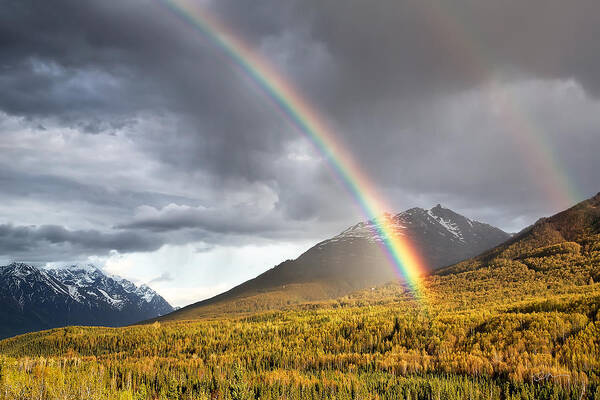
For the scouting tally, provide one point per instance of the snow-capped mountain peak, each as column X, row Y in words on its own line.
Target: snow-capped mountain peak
column 449, row 220
column 146, row 293
column 445, row 221
column 77, row 294
column 88, row 280
column 438, row 231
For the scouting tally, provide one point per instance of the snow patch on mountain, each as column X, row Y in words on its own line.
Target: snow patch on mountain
column 369, row 230
column 449, row 225
column 82, row 280
column 118, row 303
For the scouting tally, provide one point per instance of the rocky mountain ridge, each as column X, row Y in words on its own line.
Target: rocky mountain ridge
column 33, row 298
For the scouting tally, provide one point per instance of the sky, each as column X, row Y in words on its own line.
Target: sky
column 130, row 140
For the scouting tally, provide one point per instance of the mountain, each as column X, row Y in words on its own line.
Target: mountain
column 354, row 260
column 32, row 298
column 442, row 236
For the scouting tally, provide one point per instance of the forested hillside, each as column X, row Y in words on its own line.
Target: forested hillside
column 520, row 322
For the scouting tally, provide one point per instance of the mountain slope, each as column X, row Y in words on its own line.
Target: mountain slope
column 354, row 260
column 567, row 239
column 33, row 299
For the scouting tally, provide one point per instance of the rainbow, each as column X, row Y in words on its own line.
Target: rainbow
column 528, row 138
column 400, row 251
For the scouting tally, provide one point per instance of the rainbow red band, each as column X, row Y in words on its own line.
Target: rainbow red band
column 400, row 251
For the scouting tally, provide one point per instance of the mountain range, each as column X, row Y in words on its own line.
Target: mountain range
column 354, row 260
column 33, row 298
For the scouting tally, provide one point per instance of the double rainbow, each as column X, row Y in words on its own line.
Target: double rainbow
column 399, row 250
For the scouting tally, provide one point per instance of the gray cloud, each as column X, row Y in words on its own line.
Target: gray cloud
column 411, row 47
column 51, row 242
column 164, row 277
column 176, row 217
column 56, row 189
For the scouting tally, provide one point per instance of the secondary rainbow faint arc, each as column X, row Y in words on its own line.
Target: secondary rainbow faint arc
column 399, row 250
column 528, row 138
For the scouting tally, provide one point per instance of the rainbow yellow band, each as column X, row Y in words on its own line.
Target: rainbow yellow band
column 400, row 251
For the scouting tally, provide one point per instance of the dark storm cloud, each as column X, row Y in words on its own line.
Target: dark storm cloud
column 175, row 217
column 52, row 242
column 380, row 50
column 92, row 61
column 402, row 82
column 387, row 48
column 17, row 184
column 96, row 65
column 259, row 219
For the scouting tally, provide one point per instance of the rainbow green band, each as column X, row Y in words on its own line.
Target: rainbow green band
column 399, row 250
